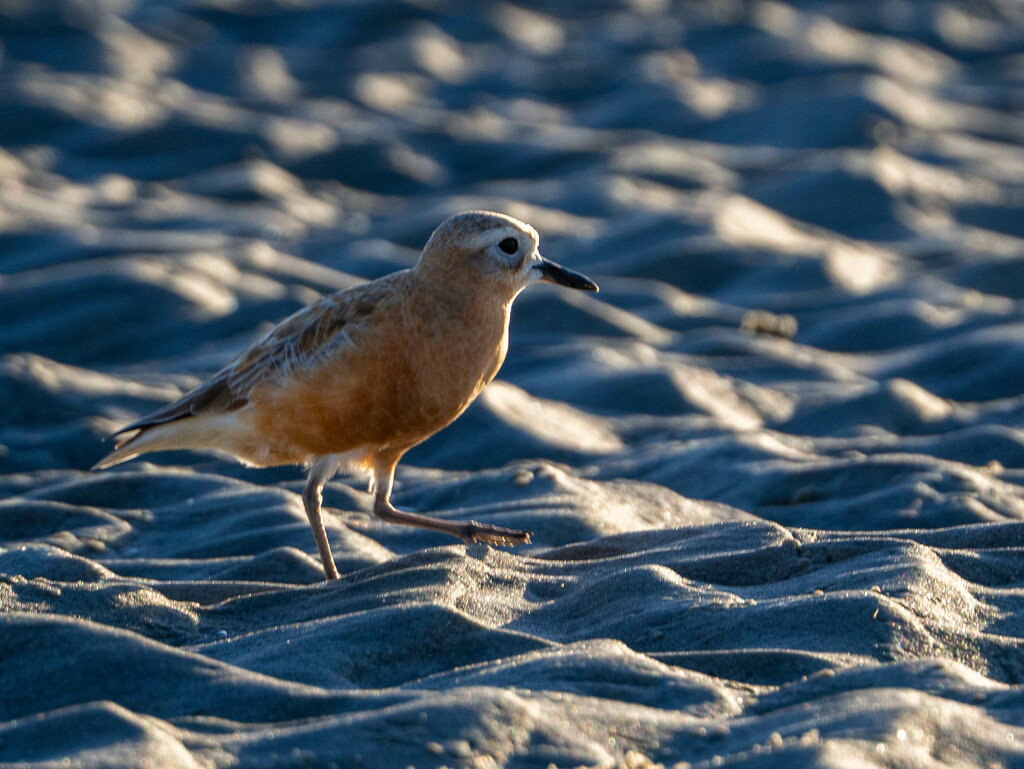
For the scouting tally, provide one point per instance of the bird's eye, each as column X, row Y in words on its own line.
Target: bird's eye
column 509, row 245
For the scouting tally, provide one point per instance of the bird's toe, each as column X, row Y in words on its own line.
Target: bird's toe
column 493, row 535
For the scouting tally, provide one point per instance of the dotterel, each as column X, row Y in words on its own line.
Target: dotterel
column 361, row 376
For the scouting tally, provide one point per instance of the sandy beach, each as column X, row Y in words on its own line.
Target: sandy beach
column 774, row 470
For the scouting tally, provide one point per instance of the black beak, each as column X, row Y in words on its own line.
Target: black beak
column 556, row 273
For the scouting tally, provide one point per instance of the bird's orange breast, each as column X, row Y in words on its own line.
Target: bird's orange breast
column 409, row 376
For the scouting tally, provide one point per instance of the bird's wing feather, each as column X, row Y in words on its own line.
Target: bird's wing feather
column 213, row 396
column 297, row 343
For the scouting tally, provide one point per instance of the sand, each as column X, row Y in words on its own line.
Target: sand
column 773, row 470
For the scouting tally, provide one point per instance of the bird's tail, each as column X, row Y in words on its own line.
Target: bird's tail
column 123, row 451
column 191, row 433
column 130, row 447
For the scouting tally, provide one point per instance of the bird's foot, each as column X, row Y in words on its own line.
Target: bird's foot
column 467, row 531
column 471, row 531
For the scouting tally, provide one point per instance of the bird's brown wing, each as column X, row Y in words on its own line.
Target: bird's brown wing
column 297, row 343
column 213, row 396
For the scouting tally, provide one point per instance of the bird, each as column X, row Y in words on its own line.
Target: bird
column 360, row 376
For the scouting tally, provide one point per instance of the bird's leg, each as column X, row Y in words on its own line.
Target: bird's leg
column 312, row 497
column 467, row 531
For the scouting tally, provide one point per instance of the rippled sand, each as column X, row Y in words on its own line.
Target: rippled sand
column 773, row 469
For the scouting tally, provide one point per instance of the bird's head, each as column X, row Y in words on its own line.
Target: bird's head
column 494, row 250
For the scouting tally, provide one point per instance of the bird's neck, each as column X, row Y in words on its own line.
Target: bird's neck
column 474, row 318
column 483, row 305
column 461, row 337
